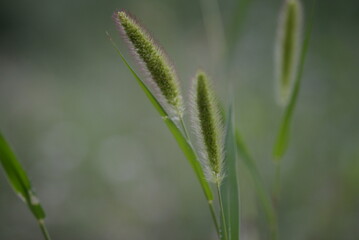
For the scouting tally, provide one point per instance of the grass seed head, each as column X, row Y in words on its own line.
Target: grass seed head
column 208, row 127
column 160, row 74
column 288, row 49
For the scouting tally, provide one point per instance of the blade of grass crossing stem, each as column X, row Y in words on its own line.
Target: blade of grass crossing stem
column 282, row 140
column 21, row 183
column 229, row 187
column 177, row 133
column 263, row 196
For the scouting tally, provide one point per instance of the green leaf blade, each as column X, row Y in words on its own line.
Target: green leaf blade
column 14, row 172
column 19, row 180
column 229, row 187
column 191, row 156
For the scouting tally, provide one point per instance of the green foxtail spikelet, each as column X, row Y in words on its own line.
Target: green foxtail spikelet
column 288, row 48
column 208, row 127
column 160, row 74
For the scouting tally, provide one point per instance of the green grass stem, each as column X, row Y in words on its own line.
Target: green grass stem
column 223, row 218
column 210, row 202
column 214, row 218
column 277, row 185
column 263, row 196
column 44, row 231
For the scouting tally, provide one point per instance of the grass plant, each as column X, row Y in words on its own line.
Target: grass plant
column 219, row 145
column 206, row 124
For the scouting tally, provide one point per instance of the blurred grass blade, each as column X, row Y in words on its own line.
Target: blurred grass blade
column 282, row 140
column 177, row 133
column 21, row 183
column 258, row 183
column 214, row 28
column 235, row 28
column 229, row 187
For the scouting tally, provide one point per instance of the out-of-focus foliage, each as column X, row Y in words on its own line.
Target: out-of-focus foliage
column 105, row 166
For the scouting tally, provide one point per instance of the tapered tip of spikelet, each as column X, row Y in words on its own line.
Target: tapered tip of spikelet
column 287, row 49
column 208, row 127
column 160, row 75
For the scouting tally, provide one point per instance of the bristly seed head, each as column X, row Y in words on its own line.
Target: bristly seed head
column 288, row 48
column 160, row 74
column 208, row 127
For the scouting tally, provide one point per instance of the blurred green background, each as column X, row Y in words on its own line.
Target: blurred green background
column 105, row 166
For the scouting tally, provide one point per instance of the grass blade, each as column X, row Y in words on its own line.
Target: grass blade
column 282, row 140
column 21, row 183
column 229, row 187
column 182, row 141
column 264, row 199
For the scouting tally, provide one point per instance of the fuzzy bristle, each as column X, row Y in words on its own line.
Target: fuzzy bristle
column 208, row 127
column 288, row 48
column 160, row 74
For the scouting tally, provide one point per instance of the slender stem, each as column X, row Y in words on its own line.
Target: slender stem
column 222, row 213
column 276, row 193
column 44, row 231
column 210, row 202
column 213, row 214
column 277, row 186
column 184, row 128
column 263, row 196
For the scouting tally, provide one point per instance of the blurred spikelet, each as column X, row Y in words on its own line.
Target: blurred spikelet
column 208, row 127
column 160, row 74
column 288, row 49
